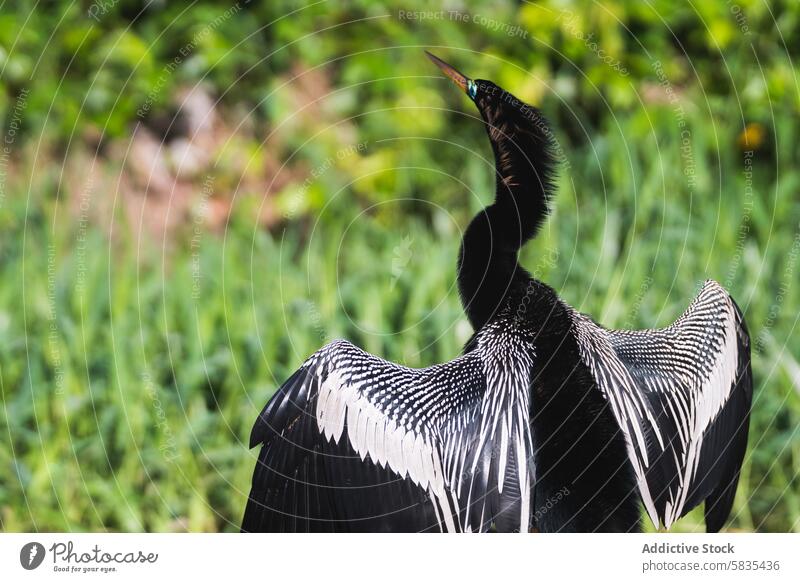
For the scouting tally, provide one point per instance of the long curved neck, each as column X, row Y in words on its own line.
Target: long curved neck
column 487, row 264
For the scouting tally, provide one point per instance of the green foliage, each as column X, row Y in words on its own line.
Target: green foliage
column 131, row 374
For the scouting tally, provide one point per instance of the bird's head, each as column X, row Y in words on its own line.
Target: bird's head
column 507, row 117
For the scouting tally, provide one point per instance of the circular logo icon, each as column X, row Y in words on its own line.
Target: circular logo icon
column 31, row 555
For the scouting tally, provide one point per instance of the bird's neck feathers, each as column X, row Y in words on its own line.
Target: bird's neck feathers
column 522, row 142
column 487, row 268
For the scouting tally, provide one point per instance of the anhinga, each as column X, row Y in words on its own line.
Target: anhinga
column 548, row 421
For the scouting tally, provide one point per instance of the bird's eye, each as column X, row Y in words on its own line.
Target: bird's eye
column 472, row 88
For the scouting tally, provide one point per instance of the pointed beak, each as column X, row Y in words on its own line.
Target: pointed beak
column 454, row 75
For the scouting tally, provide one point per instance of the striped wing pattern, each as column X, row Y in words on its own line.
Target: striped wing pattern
column 349, row 420
column 682, row 396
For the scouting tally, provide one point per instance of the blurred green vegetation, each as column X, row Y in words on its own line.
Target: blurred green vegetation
column 132, row 366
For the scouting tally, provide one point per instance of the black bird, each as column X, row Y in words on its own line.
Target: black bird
column 547, row 422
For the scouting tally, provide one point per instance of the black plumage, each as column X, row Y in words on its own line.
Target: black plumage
column 547, row 421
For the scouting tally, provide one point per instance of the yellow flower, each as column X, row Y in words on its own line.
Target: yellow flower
column 752, row 136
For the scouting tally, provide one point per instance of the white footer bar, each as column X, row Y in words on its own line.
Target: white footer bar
column 390, row 557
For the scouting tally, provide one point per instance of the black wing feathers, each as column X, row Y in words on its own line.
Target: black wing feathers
column 306, row 483
column 354, row 443
column 726, row 447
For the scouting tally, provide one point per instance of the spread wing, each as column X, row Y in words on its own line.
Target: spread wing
column 682, row 395
column 353, row 442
